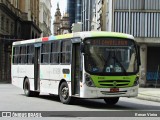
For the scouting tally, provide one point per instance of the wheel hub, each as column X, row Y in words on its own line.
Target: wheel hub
column 64, row 92
column 26, row 88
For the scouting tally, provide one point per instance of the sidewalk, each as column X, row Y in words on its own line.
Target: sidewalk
column 151, row 94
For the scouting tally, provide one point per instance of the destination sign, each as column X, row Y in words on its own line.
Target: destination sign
column 109, row 42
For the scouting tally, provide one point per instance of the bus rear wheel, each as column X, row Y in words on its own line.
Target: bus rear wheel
column 64, row 93
column 27, row 90
column 111, row 101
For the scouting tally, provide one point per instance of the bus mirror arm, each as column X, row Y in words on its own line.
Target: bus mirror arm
column 139, row 59
column 82, row 48
column 139, row 56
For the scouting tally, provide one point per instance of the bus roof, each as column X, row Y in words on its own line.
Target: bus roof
column 82, row 35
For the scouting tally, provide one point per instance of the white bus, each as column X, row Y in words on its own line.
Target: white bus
column 84, row 64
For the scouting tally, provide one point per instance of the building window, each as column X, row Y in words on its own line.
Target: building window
column 7, row 25
column 44, row 17
column 2, row 22
column 12, row 29
column 32, row 35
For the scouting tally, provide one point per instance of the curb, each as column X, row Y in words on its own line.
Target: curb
column 148, row 97
column 5, row 83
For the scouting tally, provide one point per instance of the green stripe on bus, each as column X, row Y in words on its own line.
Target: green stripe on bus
column 64, row 36
column 109, row 34
column 107, row 81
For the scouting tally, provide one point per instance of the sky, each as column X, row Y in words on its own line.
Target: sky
column 62, row 5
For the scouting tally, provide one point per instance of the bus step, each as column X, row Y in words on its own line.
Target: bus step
column 76, row 95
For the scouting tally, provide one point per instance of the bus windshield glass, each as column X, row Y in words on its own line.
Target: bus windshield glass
column 110, row 55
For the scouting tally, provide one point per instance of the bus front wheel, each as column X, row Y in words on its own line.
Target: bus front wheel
column 111, row 101
column 64, row 93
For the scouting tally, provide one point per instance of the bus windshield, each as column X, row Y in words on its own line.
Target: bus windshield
column 110, row 55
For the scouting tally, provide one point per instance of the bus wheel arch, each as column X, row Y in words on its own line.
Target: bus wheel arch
column 63, row 92
column 25, row 78
column 61, row 81
column 26, row 87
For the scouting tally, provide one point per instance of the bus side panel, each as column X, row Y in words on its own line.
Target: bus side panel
column 66, row 75
column 58, row 73
column 55, row 78
column 19, row 72
column 44, row 78
column 44, row 86
column 30, row 74
column 15, row 76
column 50, row 76
column 18, row 77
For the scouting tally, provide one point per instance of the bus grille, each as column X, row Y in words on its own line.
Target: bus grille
column 114, row 83
column 114, row 93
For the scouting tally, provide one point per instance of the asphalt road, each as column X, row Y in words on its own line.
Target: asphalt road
column 13, row 99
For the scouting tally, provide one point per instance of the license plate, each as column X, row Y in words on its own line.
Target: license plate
column 114, row 89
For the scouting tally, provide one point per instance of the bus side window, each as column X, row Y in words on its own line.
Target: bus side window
column 15, row 55
column 23, row 55
column 30, row 54
column 19, row 56
column 45, row 50
column 54, row 55
column 66, row 52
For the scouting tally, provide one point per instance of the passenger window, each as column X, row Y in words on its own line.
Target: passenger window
column 66, row 52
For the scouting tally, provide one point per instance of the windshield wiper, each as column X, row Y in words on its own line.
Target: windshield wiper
column 124, row 70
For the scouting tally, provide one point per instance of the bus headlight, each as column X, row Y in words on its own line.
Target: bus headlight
column 89, row 81
column 136, row 82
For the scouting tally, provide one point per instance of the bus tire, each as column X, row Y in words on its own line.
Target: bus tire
column 64, row 93
column 111, row 101
column 27, row 90
column 35, row 93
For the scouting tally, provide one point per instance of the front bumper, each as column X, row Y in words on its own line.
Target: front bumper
column 93, row 92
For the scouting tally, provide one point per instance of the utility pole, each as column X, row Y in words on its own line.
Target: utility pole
column 129, row 16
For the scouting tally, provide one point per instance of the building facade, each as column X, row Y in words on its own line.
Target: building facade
column 78, row 11
column 18, row 20
column 97, row 16
column 101, row 15
column 141, row 18
column 87, row 14
column 64, row 25
column 74, row 8
column 57, row 20
column 71, row 8
column 61, row 23
column 45, row 17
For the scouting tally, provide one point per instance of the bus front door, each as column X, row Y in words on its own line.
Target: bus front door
column 76, row 74
column 37, row 67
